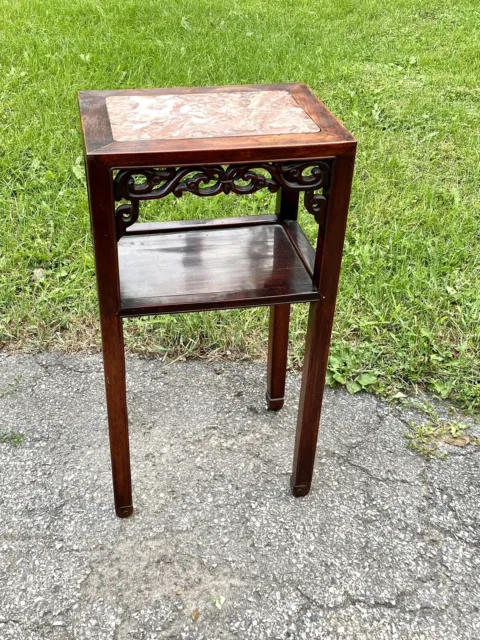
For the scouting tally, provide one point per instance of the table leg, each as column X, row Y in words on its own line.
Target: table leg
column 277, row 355
column 286, row 209
column 115, row 385
column 100, row 191
column 310, row 406
column 320, row 322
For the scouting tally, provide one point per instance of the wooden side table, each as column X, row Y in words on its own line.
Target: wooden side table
column 147, row 144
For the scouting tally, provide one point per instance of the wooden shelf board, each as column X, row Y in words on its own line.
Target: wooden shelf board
column 215, row 267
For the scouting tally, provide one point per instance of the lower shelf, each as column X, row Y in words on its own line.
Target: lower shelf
column 211, row 268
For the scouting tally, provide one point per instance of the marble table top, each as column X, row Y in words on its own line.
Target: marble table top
column 206, row 115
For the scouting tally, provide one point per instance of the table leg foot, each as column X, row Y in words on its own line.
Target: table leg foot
column 124, row 512
column 299, row 490
column 274, row 404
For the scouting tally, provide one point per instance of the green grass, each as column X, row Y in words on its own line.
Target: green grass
column 13, row 438
column 427, row 438
column 403, row 77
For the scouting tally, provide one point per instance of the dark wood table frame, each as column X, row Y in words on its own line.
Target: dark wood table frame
column 128, row 173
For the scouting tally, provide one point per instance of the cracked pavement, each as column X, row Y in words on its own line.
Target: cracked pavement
column 385, row 546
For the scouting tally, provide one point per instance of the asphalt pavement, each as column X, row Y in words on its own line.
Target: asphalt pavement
column 385, row 546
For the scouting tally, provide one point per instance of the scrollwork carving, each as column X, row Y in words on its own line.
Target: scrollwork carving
column 125, row 215
column 316, row 204
column 151, row 184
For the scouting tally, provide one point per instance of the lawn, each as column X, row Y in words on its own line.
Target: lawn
column 403, row 76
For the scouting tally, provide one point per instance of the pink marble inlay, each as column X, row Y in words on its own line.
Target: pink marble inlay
column 206, row 115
